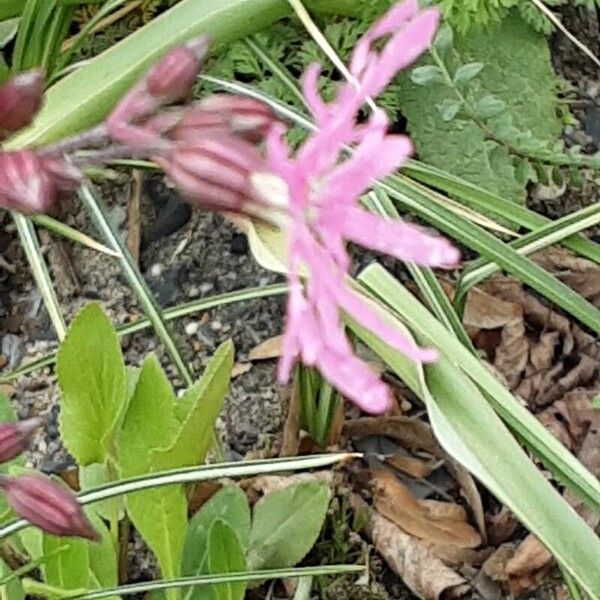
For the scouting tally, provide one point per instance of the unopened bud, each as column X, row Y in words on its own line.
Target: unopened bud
column 246, row 117
column 20, row 99
column 14, row 437
column 215, row 172
column 47, row 505
column 26, row 184
column 172, row 78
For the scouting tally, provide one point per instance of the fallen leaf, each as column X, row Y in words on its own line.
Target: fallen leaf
column 268, row 349
column 527, row 567
column 438, row 522
column 501, row 527
column 202, row 492
column 265, row 484
column 411, row 433
column 425, row 574
column 410, row 466
column 240, row 368
column 291, row 430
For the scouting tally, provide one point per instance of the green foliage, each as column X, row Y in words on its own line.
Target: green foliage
column 221, row 537
column 91, row 376
column 466, row 14
column 479, row 107
column 286, row 524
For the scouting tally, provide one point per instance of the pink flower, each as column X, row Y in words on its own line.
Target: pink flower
column 323, row 191
column 47, row 505
column 20, row 99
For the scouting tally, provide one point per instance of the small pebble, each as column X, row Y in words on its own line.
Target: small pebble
column 192, row 328
column 156, row 270
column 216, row 325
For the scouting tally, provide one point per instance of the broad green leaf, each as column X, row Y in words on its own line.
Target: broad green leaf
column 95, row 475
column 12, row 590
column 103, row 559
column 463, row 419
column 69, row 568
column 8, row 30
column 84, row 97
column 286, row 524
column 489, row 106
column 228, row 505
column 91, row 376
column 226, row 555
column 444, row 38
column 448, row 108
column 427, row 74
column 199, row 409
column 160, row 515
column 467, row 72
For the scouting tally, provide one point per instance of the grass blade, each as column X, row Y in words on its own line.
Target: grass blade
column 248, row 468
column 138, row 588
column 40, row 272
column 541, row 238
column 71, row 234
column 135, row 280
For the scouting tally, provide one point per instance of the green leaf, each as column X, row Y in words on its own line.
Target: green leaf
column 444, row 39
column 427, row 74
column 8, row 30
column 517, row 66
column 448, row 108
column 69, row 568
column 463, row 417
column 95, row 475
column 103, row 559
column 160, row 515
column 226, row 555
column 228, row 505
column 91, row 376
column 490, row 106
column 286, row 524
column 198, row 410
column 465, row 73
column 12, row 590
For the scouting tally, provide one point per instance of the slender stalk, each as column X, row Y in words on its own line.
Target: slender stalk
column 135, row 280
column 193, row 475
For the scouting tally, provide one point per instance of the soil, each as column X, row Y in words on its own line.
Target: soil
column 187, row 255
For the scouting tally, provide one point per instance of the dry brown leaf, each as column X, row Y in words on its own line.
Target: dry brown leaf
column 265, row 484
column 438, row 522
column 495, row 566
column 425, row 574
column 528, row 566
column 501, row 527
column 412, row 434
column 240, row 369
column 410, row 466
column 484, row 312
column 202, row 493
column 268, row 349
column 291, row 430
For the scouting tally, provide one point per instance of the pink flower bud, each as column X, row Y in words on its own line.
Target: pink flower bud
column 20, row 99
column 220, row 113
column 25, row 183
column 172, row 78
column 47, row 505
column 14, row 437
column 215, row 172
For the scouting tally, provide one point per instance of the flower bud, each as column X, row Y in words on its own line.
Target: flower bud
column 20, row 99
column 215, row 172
column 26, row 184
column 220, row 113
column 14, row 437
column 172, row 78
column 47, row 505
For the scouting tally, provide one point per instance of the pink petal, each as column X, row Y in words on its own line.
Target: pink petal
column 356, row 381
column 401, row 240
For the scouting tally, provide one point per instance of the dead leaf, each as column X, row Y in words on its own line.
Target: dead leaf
column 411, row 433
column 501, row 527
column 425, row 574
column 203, row 492
column 438, row 522
column 268, row 349
column 240, row 369
column 265, row 484
column 410, row 466
column 527, row 567
column 291, row 430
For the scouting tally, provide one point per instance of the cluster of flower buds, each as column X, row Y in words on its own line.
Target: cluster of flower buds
column 35, row 497
column 207, row 148
column 29, row 181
